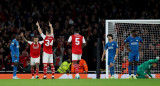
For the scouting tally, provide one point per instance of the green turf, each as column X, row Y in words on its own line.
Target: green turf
column 81, row 82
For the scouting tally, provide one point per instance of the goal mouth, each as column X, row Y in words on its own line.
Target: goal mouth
column 148, row 30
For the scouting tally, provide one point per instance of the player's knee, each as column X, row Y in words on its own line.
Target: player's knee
column 44, row 65
column 32, row 66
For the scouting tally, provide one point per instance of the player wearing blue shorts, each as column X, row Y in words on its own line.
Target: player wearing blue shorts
column 133, row 49
column 112, row 53
column 14, row 47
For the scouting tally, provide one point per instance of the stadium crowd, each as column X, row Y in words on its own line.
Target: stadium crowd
column 21, row 16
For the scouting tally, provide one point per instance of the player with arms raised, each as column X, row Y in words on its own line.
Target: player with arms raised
column 133, row 49
column 35, row 48
column 77, row 43
column 112, row 53
column 47, row 49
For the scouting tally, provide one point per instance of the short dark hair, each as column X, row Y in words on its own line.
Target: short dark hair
column 36, row 36
column 110, row 35
column 76, row 30
column 48, row 31
column 133, row 31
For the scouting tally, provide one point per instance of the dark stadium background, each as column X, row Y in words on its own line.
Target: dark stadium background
column 21, row 15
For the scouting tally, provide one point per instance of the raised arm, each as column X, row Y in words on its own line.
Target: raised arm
column 39, row 29
column 24, row 38
column 51, row 28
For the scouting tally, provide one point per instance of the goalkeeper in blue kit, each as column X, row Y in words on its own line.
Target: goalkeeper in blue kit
column 144, row 69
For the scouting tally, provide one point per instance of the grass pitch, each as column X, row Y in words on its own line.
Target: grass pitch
column 80, row 82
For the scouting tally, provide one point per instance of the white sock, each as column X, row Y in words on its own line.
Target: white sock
column 45, row 76
column 52, row 75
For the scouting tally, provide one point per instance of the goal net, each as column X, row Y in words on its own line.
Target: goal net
column 149, row 31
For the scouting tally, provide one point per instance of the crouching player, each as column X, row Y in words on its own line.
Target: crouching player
column 35, row 48
column 112, row 53
column 143, row 70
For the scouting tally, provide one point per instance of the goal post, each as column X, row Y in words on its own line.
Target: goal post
column 149, row 31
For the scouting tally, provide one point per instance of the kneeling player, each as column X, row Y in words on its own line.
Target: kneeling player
column 144, row 69
column 35, row 48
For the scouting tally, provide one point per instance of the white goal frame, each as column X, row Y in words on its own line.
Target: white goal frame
column 109, row 23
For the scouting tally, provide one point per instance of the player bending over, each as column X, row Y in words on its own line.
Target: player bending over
column 144, row 69
column 35, row 48
column 77, row 42
column 14, row 47
column 47, row 49
column 112, row 53
column 133, row 49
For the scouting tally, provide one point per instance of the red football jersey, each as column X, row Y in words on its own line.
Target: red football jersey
column 77, row 41
column 48, row 43
column 35, row 49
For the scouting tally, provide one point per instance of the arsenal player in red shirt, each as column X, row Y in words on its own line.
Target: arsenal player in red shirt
column 77, row 41
column 47, row 49
column 35, row 48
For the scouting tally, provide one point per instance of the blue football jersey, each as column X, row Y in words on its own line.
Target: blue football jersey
column 14, row 47
column 111, row 46
column 133, row 43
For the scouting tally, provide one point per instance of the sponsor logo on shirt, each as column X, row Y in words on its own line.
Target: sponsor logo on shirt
column 110, row 47
column 134, row 43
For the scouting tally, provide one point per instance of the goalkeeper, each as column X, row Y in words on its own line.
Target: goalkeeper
column 144, row 69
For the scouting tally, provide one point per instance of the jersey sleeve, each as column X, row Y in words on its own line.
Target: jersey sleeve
column 41, row 42
column 29, row 42
column 83, row 40
column 116, row 45
column 11, row 47
column 52, row 35
column 106, row 47
column 152, row 61
column 127, row 40
column 43, row 36
column 70, row 39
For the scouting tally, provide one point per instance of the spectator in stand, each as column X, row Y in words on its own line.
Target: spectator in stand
column 24, row 58
column 125, row 65
column 83, row 67
column 21, row 15
column 1, row 62
column 8, row 62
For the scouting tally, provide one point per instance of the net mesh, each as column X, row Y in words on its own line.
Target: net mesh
column 150, row 33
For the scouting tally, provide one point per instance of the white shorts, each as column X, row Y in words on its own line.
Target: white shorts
column 76, row 57
column 47, row 58
column 35, row 60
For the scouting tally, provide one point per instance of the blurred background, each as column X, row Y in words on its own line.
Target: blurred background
column 21, row 15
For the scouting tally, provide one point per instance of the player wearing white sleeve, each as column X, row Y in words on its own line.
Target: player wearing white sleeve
column 77, row 41
column 35, row 48
column 47, row 49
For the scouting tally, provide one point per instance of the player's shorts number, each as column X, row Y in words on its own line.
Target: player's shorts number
column 48, row 42
column 77, row 42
